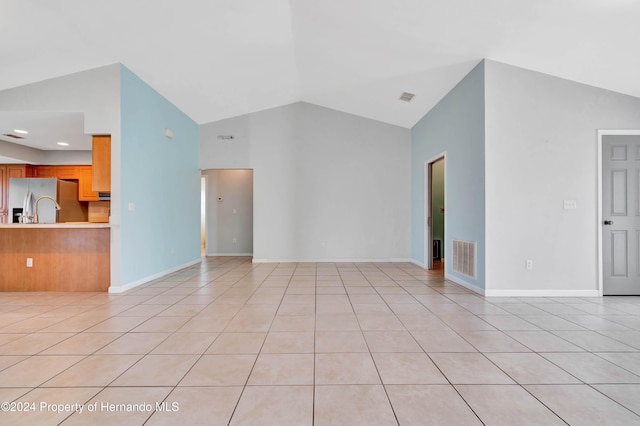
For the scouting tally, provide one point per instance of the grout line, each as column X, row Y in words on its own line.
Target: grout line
column 206, row 274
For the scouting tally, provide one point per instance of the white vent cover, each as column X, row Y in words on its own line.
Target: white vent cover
column 464, row 258
column 11, row 135
column 406, row 96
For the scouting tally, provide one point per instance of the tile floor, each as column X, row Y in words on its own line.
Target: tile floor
column 228, row 342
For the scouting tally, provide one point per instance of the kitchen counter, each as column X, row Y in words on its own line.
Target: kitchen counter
column 55, row 225
column 55, row 256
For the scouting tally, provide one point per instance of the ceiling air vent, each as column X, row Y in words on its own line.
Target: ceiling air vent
column 406, row 96
column 13, row 136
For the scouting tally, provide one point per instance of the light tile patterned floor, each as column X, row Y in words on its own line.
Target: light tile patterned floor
column 229, row 342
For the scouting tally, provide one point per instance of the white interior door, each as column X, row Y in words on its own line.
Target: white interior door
column 621, row 214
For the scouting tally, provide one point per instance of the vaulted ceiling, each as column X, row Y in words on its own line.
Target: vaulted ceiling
column 216, row 59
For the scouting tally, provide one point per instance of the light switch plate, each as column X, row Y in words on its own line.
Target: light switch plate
column 570, row 204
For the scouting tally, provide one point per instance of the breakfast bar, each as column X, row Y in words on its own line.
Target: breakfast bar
column 55, row 257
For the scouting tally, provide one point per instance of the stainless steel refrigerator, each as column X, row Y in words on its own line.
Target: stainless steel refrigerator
column 64, row 192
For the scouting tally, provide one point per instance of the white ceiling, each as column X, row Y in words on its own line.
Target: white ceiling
column 216, row 59
column 45, row 130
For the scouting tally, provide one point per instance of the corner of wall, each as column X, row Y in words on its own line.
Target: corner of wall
column 456, row 125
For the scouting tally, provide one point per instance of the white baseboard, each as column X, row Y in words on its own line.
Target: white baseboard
column 391, row 260
column 229, row 254
column 541, row 293
column 136, row 283
column 420, row 264
column 465, row 284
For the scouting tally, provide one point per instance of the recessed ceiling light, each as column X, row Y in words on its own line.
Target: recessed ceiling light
column 406, row 96
column 63, row 144
column 23, row 132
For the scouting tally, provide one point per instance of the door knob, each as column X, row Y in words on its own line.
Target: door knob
column 608, row 222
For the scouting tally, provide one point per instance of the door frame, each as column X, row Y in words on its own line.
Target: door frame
column 601, row 133
column 204, row 179
column 428, row 230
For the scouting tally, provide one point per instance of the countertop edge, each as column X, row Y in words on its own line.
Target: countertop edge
column 83, row 225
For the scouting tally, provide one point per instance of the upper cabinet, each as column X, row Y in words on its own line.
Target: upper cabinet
column 101, row 161
column 78, row 172
column 44, row 171
column 8, row 171
column 67, row 172
column 60, row 172
column 85, row 193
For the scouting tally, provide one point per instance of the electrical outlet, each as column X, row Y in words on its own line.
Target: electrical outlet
column 235, row 241
column 529, row 264
column 29, row 262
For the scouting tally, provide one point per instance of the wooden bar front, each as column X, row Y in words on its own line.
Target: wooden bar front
column 64, row 258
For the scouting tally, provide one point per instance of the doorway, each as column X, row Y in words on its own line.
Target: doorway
column 435, row 213
column 619, row 212
column 203, row 216
column 229, row 212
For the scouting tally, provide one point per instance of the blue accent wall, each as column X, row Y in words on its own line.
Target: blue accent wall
column 161, row 177
column 455, row 125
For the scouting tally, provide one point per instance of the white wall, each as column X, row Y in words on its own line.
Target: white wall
column 541, row 148
column 24, row 154
column 230, row 220
column 67, row 157
column 15, row 153
column 327, row 185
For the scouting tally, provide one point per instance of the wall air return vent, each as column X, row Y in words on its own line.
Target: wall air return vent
column 464, row 258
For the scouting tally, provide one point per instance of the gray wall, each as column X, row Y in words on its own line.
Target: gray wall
column 541, row 149
column 327, row 185
column 230, row 221
column 455, row 126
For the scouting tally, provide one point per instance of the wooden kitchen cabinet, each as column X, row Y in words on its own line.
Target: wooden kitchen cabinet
column 81, row 173
column 60, row 172
column 8, row 171
column 44, row 171
column 67, row 172
column 4, row 195
column 85, row 191
column 19, row 171
column 101, row 162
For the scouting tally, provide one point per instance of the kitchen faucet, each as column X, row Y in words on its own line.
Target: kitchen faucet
column 35, row 208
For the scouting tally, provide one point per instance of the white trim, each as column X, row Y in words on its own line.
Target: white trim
column 229, row 254
column 391, row 260
column 466, row 284
column 420, row 264
column 601, row 133
column 206, row 210
column 428, row 256
column 542, row 293
column 136, row 283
